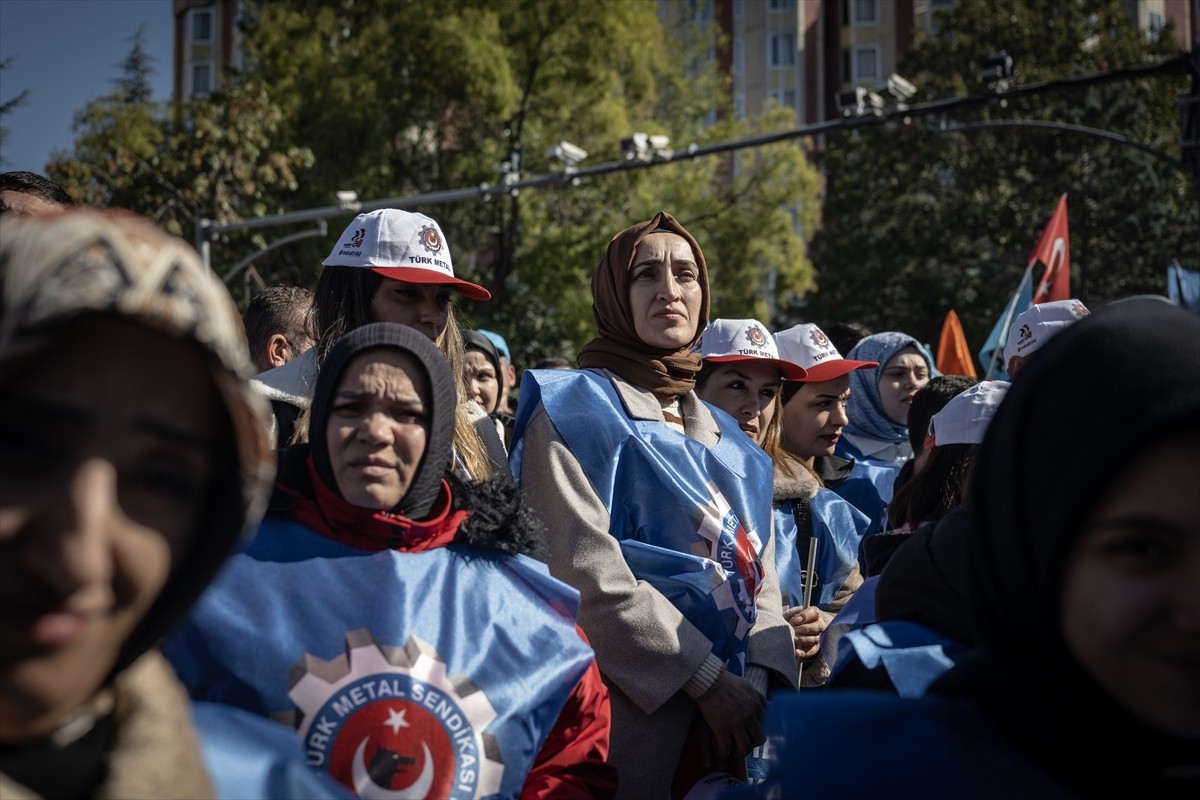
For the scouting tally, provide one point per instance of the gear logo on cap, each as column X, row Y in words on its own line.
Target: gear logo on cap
column 1079, row 310
column 356, row 240
column 819, row 338
column 757, row 336
column 431, row 240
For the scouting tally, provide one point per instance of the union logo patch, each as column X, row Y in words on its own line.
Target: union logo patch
column 819, row 338
column 391, row 725
column 356, row 239
column 756, row 336
column 431, row 240
column 737, row 550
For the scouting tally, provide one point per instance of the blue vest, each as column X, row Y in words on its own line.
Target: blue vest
column 251, row 758
column 869, row 489
column 434, row 674
column 838, row 528
column 846, row 743
column 692, row 520
column 913, row 655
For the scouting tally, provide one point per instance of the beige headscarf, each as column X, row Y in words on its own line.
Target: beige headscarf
column 667, row 373
column 57, row 268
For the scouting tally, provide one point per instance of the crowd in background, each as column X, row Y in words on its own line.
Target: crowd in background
column 343, row 546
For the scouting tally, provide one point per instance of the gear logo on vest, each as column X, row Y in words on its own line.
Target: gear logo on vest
column 431, row 239
column 737, row 551
column 391, row 725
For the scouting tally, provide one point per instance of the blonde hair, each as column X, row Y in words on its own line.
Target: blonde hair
column 467, row 443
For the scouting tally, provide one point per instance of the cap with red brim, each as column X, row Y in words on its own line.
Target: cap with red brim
column 733, row 340
column 401, row 245
column 808, row 346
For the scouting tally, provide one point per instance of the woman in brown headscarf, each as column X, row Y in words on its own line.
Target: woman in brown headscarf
column 659, row 513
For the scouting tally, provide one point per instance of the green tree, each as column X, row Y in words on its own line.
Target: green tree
column 208, row 158
column 137, row 70
column 918, row 220
column 402, row 98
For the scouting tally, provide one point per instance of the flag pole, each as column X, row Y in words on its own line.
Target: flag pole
column 810, row 579
column 1008, row 316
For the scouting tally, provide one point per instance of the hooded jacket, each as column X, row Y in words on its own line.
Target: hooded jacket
column 440, row 579
column 1027, row 518
column 55, row 270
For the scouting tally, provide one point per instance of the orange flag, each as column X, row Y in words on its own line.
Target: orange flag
column 1053, row 250
column 953, row 355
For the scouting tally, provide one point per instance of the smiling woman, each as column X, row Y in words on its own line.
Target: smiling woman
column 126, row 483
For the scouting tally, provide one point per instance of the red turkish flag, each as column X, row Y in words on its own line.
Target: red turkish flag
column 1053, row 251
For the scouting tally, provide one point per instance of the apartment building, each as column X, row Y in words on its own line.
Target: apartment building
column 802, row 54
column 206, row 43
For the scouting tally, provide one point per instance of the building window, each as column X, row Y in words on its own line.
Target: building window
column 781, row 5
column 739, row 105
column 739, row 55
column 702, row 10
column 847, row 75
column 783, row 49
column 737, row 8
column 784, row 97
column 866, row 11
column 201, row 79
column 201, row 27
column 866, row 64
column 1154, row 25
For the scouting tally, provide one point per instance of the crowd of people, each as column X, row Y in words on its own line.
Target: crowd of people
column 342, row 546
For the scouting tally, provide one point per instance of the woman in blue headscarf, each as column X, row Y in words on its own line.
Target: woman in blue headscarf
column 880, row 397
column 876, row 435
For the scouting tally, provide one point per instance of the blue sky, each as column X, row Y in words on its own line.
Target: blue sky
column 66, row 52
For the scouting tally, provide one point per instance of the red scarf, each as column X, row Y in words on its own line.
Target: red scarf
column 363, row 529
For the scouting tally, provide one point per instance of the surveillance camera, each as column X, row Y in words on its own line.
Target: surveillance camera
column 346, row 198
column 660, row 142
column 570, row 154
column 900, row 87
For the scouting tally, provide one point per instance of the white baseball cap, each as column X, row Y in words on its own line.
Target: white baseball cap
column 966, row 417
column 1036, row 325
column 402, row 245
column 728, row 340
column 807, row 345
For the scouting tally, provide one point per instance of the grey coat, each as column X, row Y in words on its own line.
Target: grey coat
column 646, row 649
